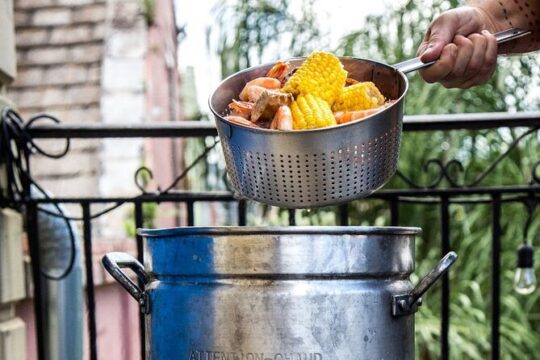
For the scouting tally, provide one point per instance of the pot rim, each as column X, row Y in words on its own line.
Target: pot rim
column 279, row 230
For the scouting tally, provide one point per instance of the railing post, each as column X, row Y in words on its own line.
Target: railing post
column 90, row 291
column 190, row 213
column 242, row 213
column 139, row 223
column 292, row 217
column 394, row 211
column 495, row 276
column 343, row 215
column 445, row 301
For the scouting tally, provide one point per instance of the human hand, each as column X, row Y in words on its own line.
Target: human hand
column 465, row 48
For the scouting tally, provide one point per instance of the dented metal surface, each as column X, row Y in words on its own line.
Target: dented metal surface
column 278, row 293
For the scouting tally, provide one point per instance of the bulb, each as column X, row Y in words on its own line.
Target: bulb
column 524, row 281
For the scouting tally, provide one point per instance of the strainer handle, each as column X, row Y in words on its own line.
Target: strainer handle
column 410, row 65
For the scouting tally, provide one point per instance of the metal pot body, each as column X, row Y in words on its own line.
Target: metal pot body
column 280, row 294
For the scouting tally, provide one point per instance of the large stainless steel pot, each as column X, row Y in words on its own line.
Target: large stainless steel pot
column 246, row 293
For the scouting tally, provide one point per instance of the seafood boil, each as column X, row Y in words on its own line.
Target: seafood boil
column 317, row 94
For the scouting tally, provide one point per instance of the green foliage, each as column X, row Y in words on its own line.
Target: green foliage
column 254, row 31
column 149, row 211
column 149, row 215
column 149, row 11
column 394, row 37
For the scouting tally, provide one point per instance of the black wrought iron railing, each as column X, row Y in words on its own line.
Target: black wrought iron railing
column 443, row 197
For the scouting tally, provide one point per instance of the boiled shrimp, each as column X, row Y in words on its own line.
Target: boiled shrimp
column 254, row 88
column 241, row 108
column 348, row 116
column 283, row 119
column 279, row 70
column 351, row 81
column 240, row 120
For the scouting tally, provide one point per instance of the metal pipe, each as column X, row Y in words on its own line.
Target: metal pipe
column 206, row 128
column 185, row 195
column 61, row 318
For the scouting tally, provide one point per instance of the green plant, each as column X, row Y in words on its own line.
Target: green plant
column 254, row 31
column 149, row 11
column 149, row 211
column 393, row 37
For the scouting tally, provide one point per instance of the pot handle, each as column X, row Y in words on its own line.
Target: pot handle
column 405, row 304
column 410, row 65
column 114, row 262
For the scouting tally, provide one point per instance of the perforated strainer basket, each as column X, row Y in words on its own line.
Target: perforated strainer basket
column 320, row 167
column 313, row 168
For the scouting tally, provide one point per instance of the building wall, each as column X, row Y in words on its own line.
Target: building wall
column 12, row 291
column 59, row 60
column 163, row 105
column 93, row 61
column 122, row 102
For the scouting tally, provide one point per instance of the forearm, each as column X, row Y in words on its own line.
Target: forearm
column 505, row 14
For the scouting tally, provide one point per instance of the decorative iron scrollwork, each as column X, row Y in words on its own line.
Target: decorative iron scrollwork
column 444, row 169
column 535, row 174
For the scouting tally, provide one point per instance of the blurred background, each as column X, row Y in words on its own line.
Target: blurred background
column 157, row 61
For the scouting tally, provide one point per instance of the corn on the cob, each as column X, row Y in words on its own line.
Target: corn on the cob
column 310, row 112
column 321, row 75
column 361, row 96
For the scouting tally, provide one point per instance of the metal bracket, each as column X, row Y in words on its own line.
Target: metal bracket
column 405, row 304
column 144, row 303
column 401, row 305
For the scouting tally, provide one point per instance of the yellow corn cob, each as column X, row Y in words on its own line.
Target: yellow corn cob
column 361, row 96
column 310, row 112
column 321, row 75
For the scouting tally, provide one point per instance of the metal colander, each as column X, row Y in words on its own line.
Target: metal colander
column 328, row 166
column 313, row 168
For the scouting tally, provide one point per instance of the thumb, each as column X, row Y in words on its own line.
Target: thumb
column 436, row 39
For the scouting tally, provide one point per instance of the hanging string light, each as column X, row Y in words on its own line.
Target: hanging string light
column 525, row 278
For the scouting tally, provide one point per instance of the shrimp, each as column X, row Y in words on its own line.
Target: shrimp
column 240, row 120
column 254, row 88
column 347, row 116
column 279, row 70
column 351, row 81
column 241, row 108
column 283, row 119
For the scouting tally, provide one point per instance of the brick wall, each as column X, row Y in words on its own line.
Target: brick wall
column 60, row 45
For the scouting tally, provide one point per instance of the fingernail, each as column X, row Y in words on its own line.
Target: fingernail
column 453, row 51
column 427, row 49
